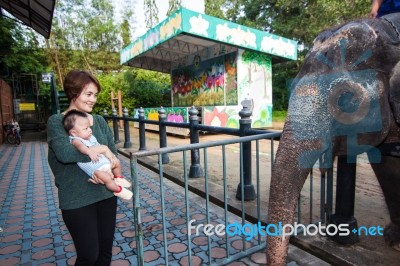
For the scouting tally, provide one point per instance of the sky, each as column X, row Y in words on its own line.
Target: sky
column 162, row 5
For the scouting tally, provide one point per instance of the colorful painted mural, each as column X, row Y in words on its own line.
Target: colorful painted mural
column 254, row 89
column 255, row 86
column 221, row 116
column 174, row 114
column 212, row 82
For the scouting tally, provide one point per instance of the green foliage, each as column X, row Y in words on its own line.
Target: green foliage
column 213, row 8
column 294, row 19
column 139, row 88
column 303, row 20
column 149, row 88
column 174, row 5
column 6, row 40
column 151, row 12
column 112, row 82
column 20, row 52
column 250, row 56
column 125, row 33
column 279, row 116
column 87, row 39
column 85, row 36
column 282, row 75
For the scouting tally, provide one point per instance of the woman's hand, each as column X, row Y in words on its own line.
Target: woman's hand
column 110, row 156
column 114, row 161
column 95, row 180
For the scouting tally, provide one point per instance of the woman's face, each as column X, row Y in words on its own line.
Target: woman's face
column 86, row 100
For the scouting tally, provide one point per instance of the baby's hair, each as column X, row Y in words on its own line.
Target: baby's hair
column 70, row 118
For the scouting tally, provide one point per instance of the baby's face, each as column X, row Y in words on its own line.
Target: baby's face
column 82, row 128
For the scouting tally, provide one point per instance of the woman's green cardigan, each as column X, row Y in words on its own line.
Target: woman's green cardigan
column 74, row 190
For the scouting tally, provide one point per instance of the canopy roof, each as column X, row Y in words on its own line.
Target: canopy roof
column 187, row 34
column 37, row 14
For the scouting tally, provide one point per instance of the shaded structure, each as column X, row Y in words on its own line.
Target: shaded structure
column 215, row 65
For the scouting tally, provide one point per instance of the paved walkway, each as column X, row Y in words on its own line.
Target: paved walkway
column 32, row 231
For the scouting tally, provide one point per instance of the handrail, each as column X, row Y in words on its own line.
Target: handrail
column 207, row 144
column 196, row 170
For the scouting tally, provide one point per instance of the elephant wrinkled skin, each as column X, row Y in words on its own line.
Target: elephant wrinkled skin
column 340, row 105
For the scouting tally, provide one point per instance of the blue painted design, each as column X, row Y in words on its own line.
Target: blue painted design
column 331, row 105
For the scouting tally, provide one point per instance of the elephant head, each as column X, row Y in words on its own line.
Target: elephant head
column 339, row 105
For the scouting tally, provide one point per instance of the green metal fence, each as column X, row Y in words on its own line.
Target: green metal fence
column 242, row 216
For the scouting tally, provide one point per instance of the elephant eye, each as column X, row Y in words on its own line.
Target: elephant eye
column 348, row 102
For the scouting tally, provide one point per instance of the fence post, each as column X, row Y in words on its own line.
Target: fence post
column 127, row 143
column 115, row 126
column 249, row 191
column 105, row 113
column 162, row 117
column 345, row 198
column 142, row 130
column 195, row 168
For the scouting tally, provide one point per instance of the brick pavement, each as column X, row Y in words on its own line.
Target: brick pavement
column 33, row 233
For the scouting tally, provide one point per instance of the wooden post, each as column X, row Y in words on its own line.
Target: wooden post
column 120, row 108
column 119, row 99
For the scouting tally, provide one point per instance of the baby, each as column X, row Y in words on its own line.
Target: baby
column 77, row 125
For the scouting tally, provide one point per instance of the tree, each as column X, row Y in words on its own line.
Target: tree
column 101, row 44
column 151, row 13
column 6, row 40
column 20, row 51
column 174, row 5
column 129, row 22
column 213, row 8
column 84, row 36
column 149, row 88
column 299, row 20
column 112, row 83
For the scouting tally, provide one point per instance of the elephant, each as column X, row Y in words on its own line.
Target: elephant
column 344, row 101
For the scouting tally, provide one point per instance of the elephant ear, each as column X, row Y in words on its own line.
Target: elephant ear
column 394, row 92
column 391, row 27
column 380, row 115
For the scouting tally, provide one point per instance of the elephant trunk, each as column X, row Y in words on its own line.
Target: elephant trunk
column 288, row 177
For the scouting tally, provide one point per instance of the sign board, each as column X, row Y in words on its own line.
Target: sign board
column 16, row 106
column 27, row 106
column 46, row 77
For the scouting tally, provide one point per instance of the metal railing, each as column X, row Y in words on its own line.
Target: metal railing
column 194, row 127
column 257, row 242
column 247, row 136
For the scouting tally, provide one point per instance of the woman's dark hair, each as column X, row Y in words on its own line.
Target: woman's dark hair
column 76, row 81
column 70, row 118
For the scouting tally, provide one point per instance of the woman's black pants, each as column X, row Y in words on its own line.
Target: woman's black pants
column 92, row 229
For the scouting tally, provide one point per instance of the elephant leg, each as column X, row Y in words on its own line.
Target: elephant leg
column 388, row 176
column 394, row 92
